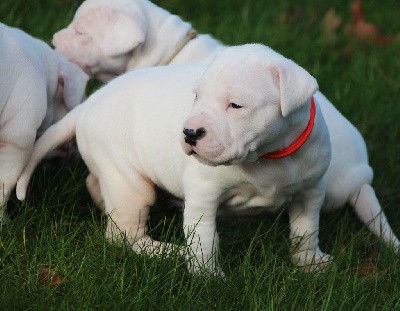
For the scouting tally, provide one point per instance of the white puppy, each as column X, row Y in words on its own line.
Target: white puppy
column 109, row 37
column 258, row 144
column 38, row 86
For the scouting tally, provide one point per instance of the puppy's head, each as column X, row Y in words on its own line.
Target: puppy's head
column 102, row 36
column 242, row 102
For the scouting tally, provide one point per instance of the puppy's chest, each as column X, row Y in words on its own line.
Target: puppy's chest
column 263, row 191
column 247, row 199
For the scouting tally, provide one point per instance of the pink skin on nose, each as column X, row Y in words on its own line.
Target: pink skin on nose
column 195, row 122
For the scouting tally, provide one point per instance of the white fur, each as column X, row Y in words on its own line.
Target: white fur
column 133, row 147
column 157, row 33
column 109, row 37
column 38, row 87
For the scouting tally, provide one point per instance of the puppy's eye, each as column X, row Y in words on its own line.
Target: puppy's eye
column 235, row 106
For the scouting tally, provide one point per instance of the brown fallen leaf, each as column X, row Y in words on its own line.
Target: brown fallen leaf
column 374, row 253
column 330, row 24
column 342, row 250
column 49, row 277
column 292, row 15
column 369, row 268
column 363, row 30
column 366, row 269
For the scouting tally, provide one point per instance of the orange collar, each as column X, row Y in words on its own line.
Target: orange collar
column 296, row 145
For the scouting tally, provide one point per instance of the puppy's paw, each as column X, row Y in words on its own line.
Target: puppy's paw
column 312, row 261
column 146, row 245
column 205, row 271
column 208, row 268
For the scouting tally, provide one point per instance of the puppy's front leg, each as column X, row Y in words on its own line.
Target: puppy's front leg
column 304, row 214
column 199, row 224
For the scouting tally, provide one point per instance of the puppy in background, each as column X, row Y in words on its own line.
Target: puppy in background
column 107, row 38
column 38, row 86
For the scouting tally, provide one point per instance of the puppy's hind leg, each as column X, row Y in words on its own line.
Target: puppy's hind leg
column 369, row 211
column 127, row 202
column 12, row 161
column 93, row 186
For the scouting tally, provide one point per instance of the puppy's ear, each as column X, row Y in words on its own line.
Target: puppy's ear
column 72, row 80
column 124, row 32
column 295, row 84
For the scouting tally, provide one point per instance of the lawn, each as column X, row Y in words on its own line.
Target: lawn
column 53, row 255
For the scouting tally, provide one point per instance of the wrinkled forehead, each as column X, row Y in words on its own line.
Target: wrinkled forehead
column 234, row 72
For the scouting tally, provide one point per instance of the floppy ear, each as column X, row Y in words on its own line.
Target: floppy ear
column 72, row 80
column 295, row 84
column 124, row 32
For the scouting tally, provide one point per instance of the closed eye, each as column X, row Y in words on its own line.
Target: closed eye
column 79, row 32
column 234, row 106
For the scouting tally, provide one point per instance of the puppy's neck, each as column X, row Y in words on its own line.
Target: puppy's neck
column 298, row 126
column 165, row 33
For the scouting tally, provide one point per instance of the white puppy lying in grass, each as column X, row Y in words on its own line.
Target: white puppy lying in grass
column 38, row 86
column 252, row 141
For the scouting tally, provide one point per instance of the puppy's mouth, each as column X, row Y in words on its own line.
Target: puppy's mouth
column 188, row 149
column 88, row 70
column 191, row 152
column 104, row 77
column 226, row 161
column 223, row 157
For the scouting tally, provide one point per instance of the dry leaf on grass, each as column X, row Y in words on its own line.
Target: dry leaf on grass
column 292, row 15
column 358, row 29
column 364, row 30
column 49, row 277
column 342, row 250
column 330, row 24
column 369, row 268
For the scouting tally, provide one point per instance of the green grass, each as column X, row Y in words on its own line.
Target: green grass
column 58, row 227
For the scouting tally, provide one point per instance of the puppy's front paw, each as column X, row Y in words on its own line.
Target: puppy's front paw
column 209, row 268
column 205, row 271
column 311, row 260
column 151, row 247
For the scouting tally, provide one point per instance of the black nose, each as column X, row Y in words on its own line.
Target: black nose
column 193, row 135
column 52, row 46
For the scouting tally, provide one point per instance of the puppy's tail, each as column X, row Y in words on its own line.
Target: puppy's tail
column 369, row 211
column 57, row 134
